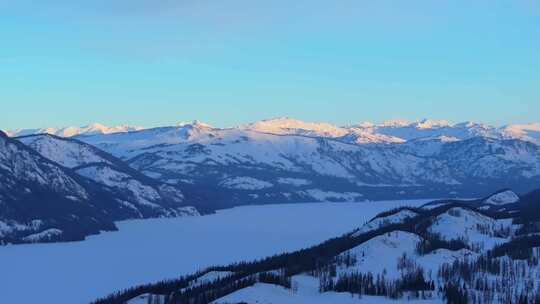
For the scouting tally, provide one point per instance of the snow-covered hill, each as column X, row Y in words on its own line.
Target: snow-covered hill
column 81, row 191
column 502, row 198
column 42, row 201
column 144, row 195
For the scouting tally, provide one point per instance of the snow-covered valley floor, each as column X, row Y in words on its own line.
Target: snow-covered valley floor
column 145, row 251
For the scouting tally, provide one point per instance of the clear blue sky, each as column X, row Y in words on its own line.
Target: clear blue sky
column 155, row 62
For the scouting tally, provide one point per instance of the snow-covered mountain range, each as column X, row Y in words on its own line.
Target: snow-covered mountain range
column 94, row 128
column 448, row 251
column 289, row 160
column 396, row 131
column 285, row 159
column 392, row 131
column 58, row 189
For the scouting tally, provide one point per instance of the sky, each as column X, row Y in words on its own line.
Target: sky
column 156, row 62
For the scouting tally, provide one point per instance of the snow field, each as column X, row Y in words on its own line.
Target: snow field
column 145, row 251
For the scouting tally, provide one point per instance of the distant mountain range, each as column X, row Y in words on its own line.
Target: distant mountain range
column 392, row 131
column 289, row 160
column 140, row 173
column 95, row 128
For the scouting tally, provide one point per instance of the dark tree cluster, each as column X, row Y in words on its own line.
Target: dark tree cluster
column 369, row 284
column 520, row 248
column 160, row 288
column 492, row 278
column 275, row 279
column 431, row 242
column 209, row 292
column 454, row 294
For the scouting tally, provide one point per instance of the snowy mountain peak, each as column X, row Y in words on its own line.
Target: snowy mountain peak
column 425, row 123
column 440, row 138
column 365, row 125
column 286, row 125
column 503, row 198
column 97, row 128
column 392, row 131
column 467, row 124
column 431, row 123
column 196, row 124
column 92, row 129
column 520, row 128
column 529, row 132
column 395, row 123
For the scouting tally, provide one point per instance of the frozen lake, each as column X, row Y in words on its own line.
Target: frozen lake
column 145, row 251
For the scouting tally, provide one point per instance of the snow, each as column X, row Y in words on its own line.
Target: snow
column 65, row 152
column 287, row 125
column 431, row 155
column 397, row 122
column 172, row 193
column 323, row 196
column 431, row 123
column 307, row 293
column 194, row 123
column 433, row 206
column 44, row 235
column 74, row 154
column 378, row 222
column 475, row 227
column 392, row 131
column 297, row 182
column 503, row 198
column 186, row 211
column 245, row 183
column 432, row 261
column 381, row 253
column 425, row 128
column 91, row 129
column 167, row 248
column 112, row 178
column 529, row 132
column 23, row 165
column 143, row 299
column 7, row 227
column 209, row 277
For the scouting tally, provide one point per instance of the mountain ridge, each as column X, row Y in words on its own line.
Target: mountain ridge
column 95, row 128
column 392, row 131
column 424, row 167
column 139, row 191
column 43, row 201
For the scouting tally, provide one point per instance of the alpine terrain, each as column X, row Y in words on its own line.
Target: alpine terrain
column 76, row 192
column 282, row 160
